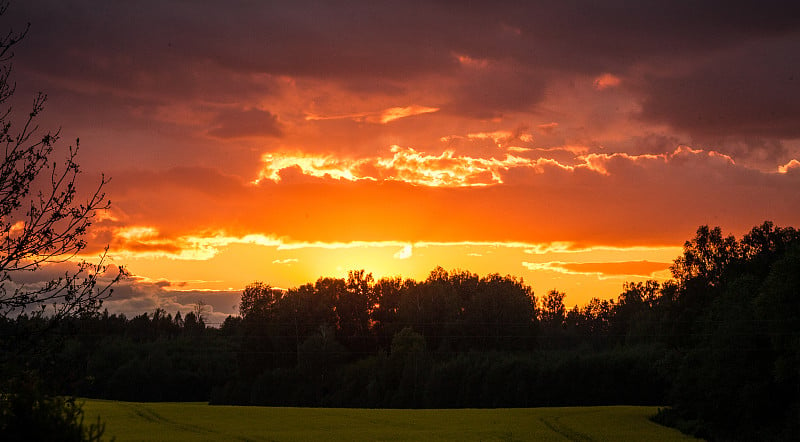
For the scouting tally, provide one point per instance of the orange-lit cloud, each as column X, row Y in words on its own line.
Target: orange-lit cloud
column 147, row 241
column 606, row 81
column 500, row 137
column 629, row 269
column 383, row 117
column 785, row 168
column 396, row 113
column 451, row 170
column 471, row 62
column 405, row 165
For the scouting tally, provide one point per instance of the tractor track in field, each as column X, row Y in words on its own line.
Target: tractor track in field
column 151, row 415
column 556, row 426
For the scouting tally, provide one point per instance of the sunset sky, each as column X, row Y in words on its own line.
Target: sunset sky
column 574, row 144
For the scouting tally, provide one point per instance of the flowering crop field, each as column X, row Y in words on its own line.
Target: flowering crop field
column 192, row 421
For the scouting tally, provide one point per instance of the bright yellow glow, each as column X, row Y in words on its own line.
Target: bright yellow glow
column 404, row 253
column 446, row 169
column 147, row 242
column 137, row 232
column 313, row 165
column 449, row 169
column 405, row 164
column 222, row 262
column 793, row 164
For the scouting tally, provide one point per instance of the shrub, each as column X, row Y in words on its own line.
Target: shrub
column 29, row 415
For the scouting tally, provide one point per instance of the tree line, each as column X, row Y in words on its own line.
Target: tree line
column 719, row 343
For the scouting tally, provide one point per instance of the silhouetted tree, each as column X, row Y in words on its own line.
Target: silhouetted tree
column 353, row 308
column 192, row 324
column 388, row 292
column 553, row 312
column 734, row 319
column 201, row 311
column 705, row 257
column 258, row 299
column 500, row 313
column 632, row 307
column 42, row 221
column 432, row 307
column 595, row 318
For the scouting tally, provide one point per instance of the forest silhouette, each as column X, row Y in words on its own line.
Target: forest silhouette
column 718, row 344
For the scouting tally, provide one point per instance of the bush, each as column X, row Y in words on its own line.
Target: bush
column 29, row 415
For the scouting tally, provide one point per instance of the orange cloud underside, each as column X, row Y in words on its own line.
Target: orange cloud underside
column 449, row 169
column 405, row 165
column 639, row 268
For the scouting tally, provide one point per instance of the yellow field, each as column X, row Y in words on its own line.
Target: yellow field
column 201, row 422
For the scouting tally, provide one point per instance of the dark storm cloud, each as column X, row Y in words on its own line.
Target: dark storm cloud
column 137, row 51
column 225, row 51
column 595, row 36
column 489, row 93
column 245, row 123
column 751, row 91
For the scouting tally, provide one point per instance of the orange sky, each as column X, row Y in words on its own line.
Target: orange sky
column 575, row 145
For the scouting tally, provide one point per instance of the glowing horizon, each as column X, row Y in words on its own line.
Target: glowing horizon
column 305, row 140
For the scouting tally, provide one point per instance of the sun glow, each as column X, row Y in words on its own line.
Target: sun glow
column 220, row 261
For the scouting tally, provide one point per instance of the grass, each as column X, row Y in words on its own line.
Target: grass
column 168, row 421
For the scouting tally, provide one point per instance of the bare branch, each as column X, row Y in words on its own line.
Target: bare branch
column 42, row 220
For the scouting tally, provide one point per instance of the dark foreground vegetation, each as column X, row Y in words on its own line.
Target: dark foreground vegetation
column 720, row 344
